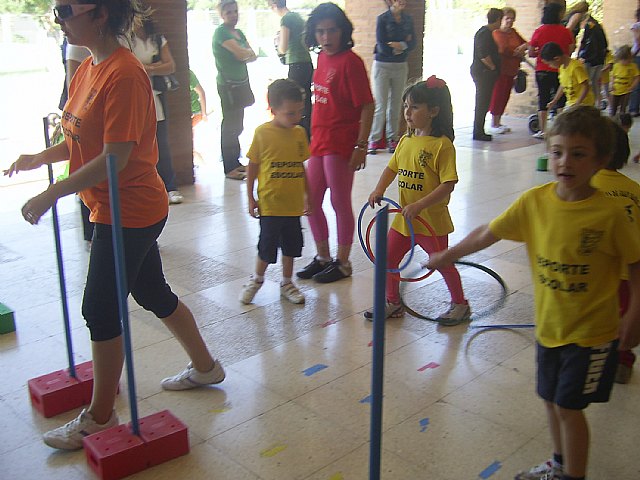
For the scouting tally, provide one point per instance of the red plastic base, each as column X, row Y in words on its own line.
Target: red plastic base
column 116, row 453
column 58, row 392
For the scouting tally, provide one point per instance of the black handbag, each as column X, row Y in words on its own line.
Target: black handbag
column 520, row 81
column 163, row 83
column 239, row 93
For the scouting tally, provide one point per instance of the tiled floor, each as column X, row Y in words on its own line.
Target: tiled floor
column 459, row 402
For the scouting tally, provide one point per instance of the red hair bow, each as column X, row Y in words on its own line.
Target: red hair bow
column 435, row 82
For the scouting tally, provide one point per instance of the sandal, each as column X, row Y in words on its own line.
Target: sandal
column 236, row 175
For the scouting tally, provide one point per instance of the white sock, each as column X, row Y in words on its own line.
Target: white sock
column 285, row 280
column 258, row 278
column 323, row 259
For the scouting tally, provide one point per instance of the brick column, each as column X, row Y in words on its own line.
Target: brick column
column 171, row 20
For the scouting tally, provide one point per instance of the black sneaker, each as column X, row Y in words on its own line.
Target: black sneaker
column 316, row 266
column 333, row 272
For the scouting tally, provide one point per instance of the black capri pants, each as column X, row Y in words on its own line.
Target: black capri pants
column 548, row 85
column 145, row 279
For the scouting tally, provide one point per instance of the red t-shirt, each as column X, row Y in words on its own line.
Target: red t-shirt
column 112, row 102
column 341, row 88
column 546, row 33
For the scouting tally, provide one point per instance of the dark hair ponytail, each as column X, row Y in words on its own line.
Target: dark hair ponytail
column 434, row 92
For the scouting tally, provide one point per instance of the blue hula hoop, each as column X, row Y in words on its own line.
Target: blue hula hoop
column 362, row 243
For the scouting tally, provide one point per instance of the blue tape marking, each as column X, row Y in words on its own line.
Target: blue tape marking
column 315, row 369
column 367, row 399
column 490, row 470
column 424, row 423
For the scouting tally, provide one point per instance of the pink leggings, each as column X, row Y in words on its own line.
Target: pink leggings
column 332, row 172
column 398, row 245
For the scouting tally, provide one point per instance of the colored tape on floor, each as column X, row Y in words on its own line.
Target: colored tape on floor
column 490, row 470
column 273, row 451
column 428, row 365
column 315, row 369
column 424, row 423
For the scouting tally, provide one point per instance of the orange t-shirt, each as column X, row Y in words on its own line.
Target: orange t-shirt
column 112, row 102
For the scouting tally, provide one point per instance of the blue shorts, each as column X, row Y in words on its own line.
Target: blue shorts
column 572, row 377
column 279, row 232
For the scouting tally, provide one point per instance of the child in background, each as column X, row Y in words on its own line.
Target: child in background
column 605, row 78
column 625, row 76
column 626, row 193
column 572, row 75
column 198, row 100
column 578, row 242
column 425, row 164
column 276, row 158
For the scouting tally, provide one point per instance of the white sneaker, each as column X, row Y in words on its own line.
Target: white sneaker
column 291, row 293
column 249, row 290
column 538, row 135
column 175, row 197
column 457, row 313
column 69, row 436
column 191, row 378
column 391, row 310
column 497, row 130
column 548, row 470
column 504, row 129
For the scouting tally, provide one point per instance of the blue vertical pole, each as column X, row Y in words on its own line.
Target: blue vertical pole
column 121, row 283
column 63, row 286
column 377, row 374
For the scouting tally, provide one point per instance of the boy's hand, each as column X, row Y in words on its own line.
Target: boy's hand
column 254, row 209
column 629, row 333
column 437, row 260
column 375, row 198
column 550, row 105
column 24, row 162
column 411, row 211
column 307, row 207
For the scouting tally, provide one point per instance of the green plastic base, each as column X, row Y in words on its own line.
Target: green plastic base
column 7, row 322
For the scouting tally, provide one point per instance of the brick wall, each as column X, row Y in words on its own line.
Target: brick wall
column 171, row 19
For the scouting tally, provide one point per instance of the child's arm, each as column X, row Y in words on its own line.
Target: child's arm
column 479, row 239
column 630, row 324
column 252, row 174
column 307, row 205
column 585, row 90
column 412, row 210
column 556, row 98
column 386, row 178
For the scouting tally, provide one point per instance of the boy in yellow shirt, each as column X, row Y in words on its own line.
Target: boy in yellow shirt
column 578, row 243
column 276, row 160
column 572, row 75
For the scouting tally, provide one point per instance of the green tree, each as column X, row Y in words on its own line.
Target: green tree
column 36, row 7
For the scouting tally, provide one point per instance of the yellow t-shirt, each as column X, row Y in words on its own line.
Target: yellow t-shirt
column 623, row 76
column 280, row 153
column 572, row 78
column 576, row 251
column 421, row 165
column 626, row 194
column 606, row 75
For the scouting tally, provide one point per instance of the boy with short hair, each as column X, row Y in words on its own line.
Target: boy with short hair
column 276, row 160
column 578, row 242
column 572, row 75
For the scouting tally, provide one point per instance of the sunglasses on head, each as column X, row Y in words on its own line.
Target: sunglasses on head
column 65, row 12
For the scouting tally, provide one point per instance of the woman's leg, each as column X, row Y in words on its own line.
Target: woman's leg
column 500, row 98
column 339, row 179
column 108, row 358
column 302, row 74
column 164, row 166
column 397, row 246
column 450, row 274
column 230, row 130
column 381, row 95
column 398, row 82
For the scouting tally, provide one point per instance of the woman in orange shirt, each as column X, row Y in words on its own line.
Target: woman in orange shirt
column 111, row 111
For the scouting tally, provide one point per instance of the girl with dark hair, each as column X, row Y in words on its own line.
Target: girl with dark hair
column 547, row 80
column 342, row 115
column 425, row 164
column 152, row 49
column 110, row 111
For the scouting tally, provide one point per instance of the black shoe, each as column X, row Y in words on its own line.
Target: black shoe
column 316, row 266
column 333, row 272
column 483, row 137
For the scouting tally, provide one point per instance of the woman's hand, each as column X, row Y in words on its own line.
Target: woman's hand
column 358, row 159
column 33, row 210
column 411, row 211
column 24, row 162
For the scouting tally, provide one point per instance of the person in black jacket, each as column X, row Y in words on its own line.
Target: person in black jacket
column 593, row 50
column 485, row 70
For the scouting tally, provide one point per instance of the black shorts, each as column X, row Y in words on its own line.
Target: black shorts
column 548, row 84
column 573, row 377
column 279, row 232
column 145, row 280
